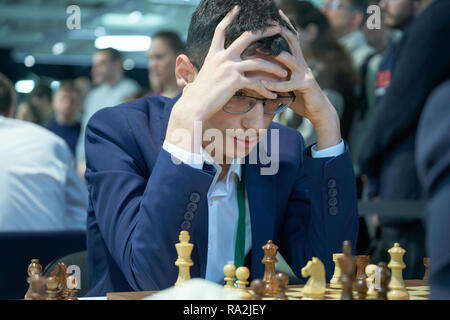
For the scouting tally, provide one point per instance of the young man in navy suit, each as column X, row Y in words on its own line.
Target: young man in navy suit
column 156, row 166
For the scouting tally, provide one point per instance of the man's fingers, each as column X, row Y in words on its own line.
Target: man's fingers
column 248, row 37
column 258, row 64
column 285, row 86
column 218, row 41
column 285, row 18
column 289, row 61
column 258, row 87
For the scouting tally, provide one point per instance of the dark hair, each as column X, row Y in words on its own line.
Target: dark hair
column 41, row 90
column 68, row 85
column 254, row 16
column 113, row 53
column 172, row 39
column 7, row 94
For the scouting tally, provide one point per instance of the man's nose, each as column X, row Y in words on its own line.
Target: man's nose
column 254, row 119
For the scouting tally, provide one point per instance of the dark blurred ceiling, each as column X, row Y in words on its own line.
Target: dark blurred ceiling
column 38, row 28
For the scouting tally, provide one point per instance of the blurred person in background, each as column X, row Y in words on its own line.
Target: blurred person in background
column 84, row 86
column 162, row 55
column 330, row 63
column 397, row 16
column 346, row 18
column 111, row 88
column 66, row 105
column 39, row 186
column 387, row 158
column 433, row 166
column 37, row 106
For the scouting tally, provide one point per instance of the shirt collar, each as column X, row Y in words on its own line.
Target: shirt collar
column 235, row 167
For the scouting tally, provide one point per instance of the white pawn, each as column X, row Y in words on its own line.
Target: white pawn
column 371, row 270
column 242, row 274
column 335, row 282
column 229, row 271
column 397, row 289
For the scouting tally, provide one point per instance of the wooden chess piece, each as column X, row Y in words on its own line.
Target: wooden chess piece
column 37, row 286
column 334, row 282
column 427, row 264
column 60, row 274
column 384, row 277
column 72, row 284
column 347, row 264
column 33, row 268
column 283, row 282
column 397, row 289
column 257, row 287
column 229, row 271
column 361, row 263
column 52, row 288
column 361, row 289
column 184, row 262
column 370, row 272
column 270, row 283
column 242, row 275
column 316, row 285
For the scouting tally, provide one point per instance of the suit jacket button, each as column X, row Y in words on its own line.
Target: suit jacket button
column 332, row 192
column 333, row 211
column 332, row 202
column 331, row 183
column 189, row 216
column 185, row 225
column 192, row 207
column 195, row 197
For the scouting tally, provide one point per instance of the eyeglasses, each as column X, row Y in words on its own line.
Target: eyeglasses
column 240, row 104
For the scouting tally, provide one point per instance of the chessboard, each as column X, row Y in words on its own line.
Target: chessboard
column 417, row 289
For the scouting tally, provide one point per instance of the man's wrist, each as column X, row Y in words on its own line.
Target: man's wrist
column 328, row 130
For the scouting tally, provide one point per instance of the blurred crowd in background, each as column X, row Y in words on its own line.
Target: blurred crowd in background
column 379, row 80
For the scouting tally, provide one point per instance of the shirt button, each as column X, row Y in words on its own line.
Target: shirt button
column 332, row 192
column 189, row 216
column 333, row 211
column 331, row 183
column 192, row 207
column 332, row 202
column 195, row 197
column 185, row 225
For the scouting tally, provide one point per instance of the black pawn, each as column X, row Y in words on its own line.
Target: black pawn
column 257, row 287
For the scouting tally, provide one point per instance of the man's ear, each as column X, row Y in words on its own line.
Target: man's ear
column 185, row 71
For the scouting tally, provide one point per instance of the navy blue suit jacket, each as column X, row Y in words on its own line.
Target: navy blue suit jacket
column 433, row 165
column 138, row 200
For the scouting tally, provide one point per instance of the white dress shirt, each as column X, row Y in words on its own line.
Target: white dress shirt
column 39, row 186
column 223, row 211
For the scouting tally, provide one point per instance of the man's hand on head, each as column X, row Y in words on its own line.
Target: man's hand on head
column 223, row 74
column 310, row 101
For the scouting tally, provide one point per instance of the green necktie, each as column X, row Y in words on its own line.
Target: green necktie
column 239, row 252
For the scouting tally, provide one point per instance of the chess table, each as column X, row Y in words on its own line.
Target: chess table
column 417, row 289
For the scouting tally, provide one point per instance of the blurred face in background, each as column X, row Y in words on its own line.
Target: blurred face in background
column 397, row 14
column 66, row 104
column 104, row 68
column 161, row 63
column 343, row 18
